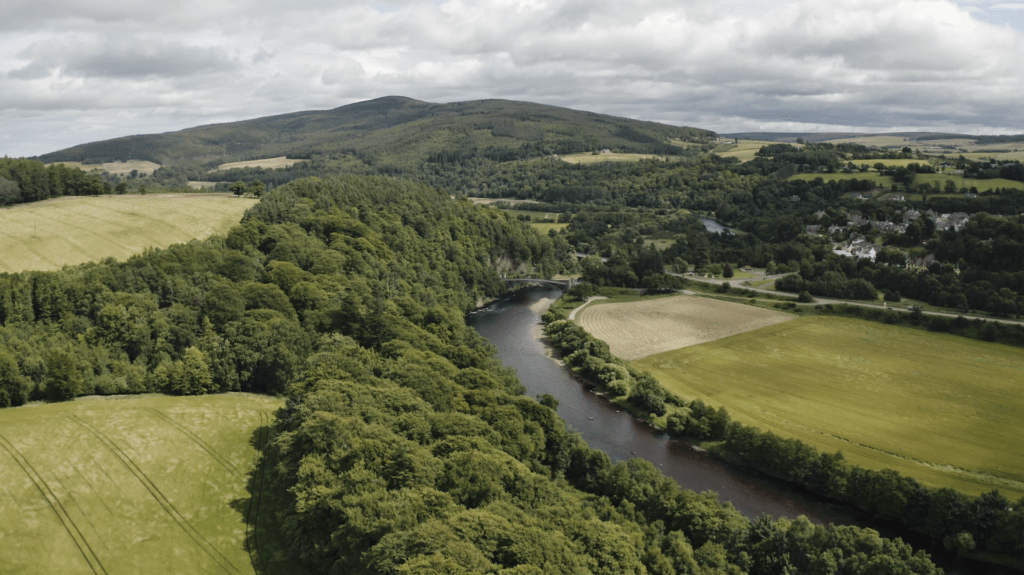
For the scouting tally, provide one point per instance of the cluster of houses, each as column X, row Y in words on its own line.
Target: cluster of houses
column 859, row 247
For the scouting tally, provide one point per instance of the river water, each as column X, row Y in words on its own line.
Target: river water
column 513, row 325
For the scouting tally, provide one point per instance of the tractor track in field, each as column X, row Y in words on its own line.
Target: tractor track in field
column 223, row 461
column 162, row 500
column 57, row 507
column 256, row 500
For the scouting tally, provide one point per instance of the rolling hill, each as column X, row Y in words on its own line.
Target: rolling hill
column 395, row 131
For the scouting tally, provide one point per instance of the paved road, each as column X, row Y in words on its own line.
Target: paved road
column 819, row 300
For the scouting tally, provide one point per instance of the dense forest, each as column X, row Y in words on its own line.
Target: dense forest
column 405, row 445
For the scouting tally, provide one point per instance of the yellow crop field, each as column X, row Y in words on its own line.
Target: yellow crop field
column 746, row 150
column 879, row 141
column 638, row 329
column 268, row 163
column 144, row 484
column 946, row 410
column 68, row 231
column 116, row 168
column 610, row 157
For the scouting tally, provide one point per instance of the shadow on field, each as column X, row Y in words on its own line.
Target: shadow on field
column 263, row 538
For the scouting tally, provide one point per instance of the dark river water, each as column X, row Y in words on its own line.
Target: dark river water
column 513, row 325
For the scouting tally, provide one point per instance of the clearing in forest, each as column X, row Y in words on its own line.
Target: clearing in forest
column 48, row 235
column 945, row 410
column 144, row 484
column 117, row 168
column 266, row 163
column 591, row 158
column 638, row 329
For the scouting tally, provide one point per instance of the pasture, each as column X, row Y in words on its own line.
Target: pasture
column 73, row 230
column 637, row 329
column 590, row 158
column 266, row 163
column 143, row 484
column 962, row 182
column 943, row 409
column 873, row 176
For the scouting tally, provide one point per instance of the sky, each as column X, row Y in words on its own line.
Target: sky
column 78, row 71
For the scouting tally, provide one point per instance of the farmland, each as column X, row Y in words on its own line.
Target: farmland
column 73, row 230
column 745, row 150
column 145, row 484
column 117, row 168
column 266, row 163
column 634, row 330
column 942, row 409
column 591, row 158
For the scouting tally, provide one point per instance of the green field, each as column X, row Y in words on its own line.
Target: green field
column 544, row 228
column 960, row 181
column 946, row 410
column 591, row 158
column 68, row 231
column 746, row 150
column 144, row 484
column 873, row 176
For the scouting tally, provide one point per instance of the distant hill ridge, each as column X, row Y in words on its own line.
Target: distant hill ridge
column 395, row 130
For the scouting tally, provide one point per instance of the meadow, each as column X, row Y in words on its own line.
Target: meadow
column 943, row 409
column 72, row 230
column 142, row 484
column 962, row 182
column 634, row 330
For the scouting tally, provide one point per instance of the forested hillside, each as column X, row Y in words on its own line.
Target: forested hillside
column 406, row 447
column 395, row 132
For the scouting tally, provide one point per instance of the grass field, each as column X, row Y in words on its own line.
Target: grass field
column 145, row 484
column 946, row 410
column 268, row 163
column 68, row 231
column 872, row 176
column 745, row 150
column 635, row 330
column 544, row 227
column 202, row 185
column 611, row 157
column 879, row 141
column 960, row 181
column 116, row 168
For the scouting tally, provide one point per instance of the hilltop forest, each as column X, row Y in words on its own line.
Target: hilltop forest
column 406, row 447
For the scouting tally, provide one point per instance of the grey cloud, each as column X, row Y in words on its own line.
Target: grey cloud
column 119, row 58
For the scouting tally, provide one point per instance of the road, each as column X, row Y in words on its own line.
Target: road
column 819, row 300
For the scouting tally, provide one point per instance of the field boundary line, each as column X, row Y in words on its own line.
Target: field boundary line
column 572, row 314
column 54, row 503
column 223, row 461
column 160, row 498
column 252, row 542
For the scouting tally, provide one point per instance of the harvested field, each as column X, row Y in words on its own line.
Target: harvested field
column 639, row 329
column 746, row 150
column 610, row 157
column 945, row 410
column 48, row 235
column 144, row 484
column 268, row 163
column 116, row 168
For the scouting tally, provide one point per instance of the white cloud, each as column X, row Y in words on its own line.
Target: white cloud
column 106, row 70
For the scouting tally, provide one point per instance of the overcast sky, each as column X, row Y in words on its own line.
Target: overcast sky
column 76, row 71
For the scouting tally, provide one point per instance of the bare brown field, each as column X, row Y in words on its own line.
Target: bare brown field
column 639, row 329
column 268, row 163
column 116, row 168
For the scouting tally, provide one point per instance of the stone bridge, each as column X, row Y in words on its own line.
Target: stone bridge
column 565, row 285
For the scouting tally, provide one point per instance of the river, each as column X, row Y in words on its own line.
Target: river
column 513, row 325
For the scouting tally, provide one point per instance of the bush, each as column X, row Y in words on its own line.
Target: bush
column 805, row 297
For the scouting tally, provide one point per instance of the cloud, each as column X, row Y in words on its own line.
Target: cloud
column 730, row 65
